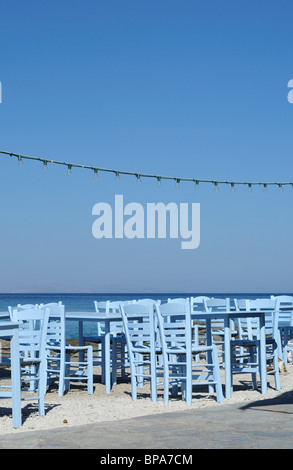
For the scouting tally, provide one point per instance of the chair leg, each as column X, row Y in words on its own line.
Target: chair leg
column 67, row 374
column 133, row 383
column 123, row 361
column 114, row 361
column 154, row 395
column 219, row 390
column 285, row 348
column 61, row 378
column 139, row 370
column 41, row 404
column 90, row 386
column 41, row 389
column 196, row 340
column 276, row 368
column 188, row 381
column 166, row 388
column 16, row 387
column 252, row 356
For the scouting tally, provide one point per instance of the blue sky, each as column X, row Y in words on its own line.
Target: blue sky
column 188, row 89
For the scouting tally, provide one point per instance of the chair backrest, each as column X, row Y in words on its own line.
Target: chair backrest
column 179, row 300
column 246, row 326
column 26, row 306
column 138, row 322
column 21, row 307
column 32, row 331
column 110, row 307
column 54, row 307
column 286, row 316
column 216, row 305
column 174, row 322
column 271, row 315
column 199, row 298
column 147, row 301
column 268, row 306
column 196, row 303
column 55, row 334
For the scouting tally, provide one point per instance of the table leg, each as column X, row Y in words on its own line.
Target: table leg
column 263, row 365
column 107, row 356
column 227, row 356
column 209, row 339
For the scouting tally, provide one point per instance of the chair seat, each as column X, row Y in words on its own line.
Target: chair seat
column 30, row 362
column 198, row 349
column 94, row 339
column 75, row 349
column 222, row 333
column 286, row 327
column 141, row 348
column 101, row 339
column 245, row 342
column 176, row 350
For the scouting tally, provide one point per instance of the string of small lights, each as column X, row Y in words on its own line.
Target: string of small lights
column 139, row 176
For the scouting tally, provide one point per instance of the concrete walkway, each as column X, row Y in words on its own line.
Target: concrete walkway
column 267, row 424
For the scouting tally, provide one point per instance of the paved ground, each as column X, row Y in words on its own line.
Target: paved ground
column 267, row 424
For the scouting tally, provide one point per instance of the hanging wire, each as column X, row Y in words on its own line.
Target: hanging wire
column 140, row 176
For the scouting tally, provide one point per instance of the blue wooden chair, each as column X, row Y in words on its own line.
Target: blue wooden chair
column 117, row 341
column 98, row 340
column 138, row 322
column 245, row 351
column 32, row 340
column 285, row 326
column 179, row 366
column 62, row 362
column 10, row 358
column 198, row 327
column 219, row 305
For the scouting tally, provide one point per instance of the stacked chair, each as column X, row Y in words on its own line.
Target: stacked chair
column 180, row 355
column 119, row 358
column 62, row 360
column 246, row 350
column 284, row 305
column 33, row 323
column 138, row 322
column 159, row 341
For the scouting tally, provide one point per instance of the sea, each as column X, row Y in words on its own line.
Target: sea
column 85, row 302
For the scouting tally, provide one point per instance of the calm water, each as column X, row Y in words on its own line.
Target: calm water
column 85, row 302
